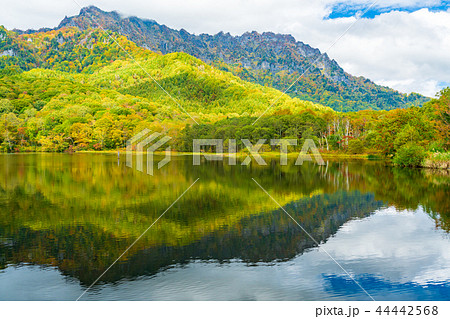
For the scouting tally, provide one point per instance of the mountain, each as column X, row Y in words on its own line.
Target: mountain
column 269, row 59
column 77, row 88
column 196, row 85
column 73, row 89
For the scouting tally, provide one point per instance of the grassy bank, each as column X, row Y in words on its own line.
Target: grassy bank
column 270, row 154
column 437, row 160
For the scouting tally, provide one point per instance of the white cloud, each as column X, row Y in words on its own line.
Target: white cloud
column 407, row 51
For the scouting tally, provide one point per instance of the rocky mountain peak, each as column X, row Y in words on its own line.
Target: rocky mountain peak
column 267, row 58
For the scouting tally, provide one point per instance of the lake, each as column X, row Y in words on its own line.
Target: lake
column 64, row 219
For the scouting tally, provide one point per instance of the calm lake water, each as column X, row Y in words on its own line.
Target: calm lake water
column 64, row 219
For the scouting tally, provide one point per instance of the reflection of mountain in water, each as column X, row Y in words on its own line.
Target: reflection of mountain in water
column 260, row 238
column 79, row 213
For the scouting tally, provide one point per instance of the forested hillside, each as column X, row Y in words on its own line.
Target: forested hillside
column 268, row 59
column 70, row 90
column 82, row 91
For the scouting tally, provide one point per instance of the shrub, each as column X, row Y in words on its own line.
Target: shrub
column 355, row 147
column 437, row 147
column 441, row 156
column 410, row 155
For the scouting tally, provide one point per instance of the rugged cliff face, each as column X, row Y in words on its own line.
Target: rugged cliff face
column 270, row 59
column 266, row 51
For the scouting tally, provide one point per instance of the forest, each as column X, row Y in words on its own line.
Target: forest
column 70, row 90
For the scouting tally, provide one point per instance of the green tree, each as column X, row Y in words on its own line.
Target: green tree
column 407, row 135
column 410, row 155
column 355, row 146
column 6, row 106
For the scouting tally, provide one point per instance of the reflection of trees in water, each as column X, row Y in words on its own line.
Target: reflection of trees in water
column 407, row 188
column 85, row 251
column 404, row 188
column 69, row 211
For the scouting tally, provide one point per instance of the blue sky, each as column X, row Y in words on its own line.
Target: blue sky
column 346, row 9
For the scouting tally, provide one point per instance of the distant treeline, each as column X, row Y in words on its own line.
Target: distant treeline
column 383, row 132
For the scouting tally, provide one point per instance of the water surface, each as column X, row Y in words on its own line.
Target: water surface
column 65, row 218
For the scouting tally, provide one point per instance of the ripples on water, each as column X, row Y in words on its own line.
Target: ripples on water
column 66, row 218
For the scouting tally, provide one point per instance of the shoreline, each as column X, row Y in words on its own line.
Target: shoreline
column 239, row 154
column 430, row 163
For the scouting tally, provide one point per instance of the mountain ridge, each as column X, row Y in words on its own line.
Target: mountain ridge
column 266, row 58
column 258, row 57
